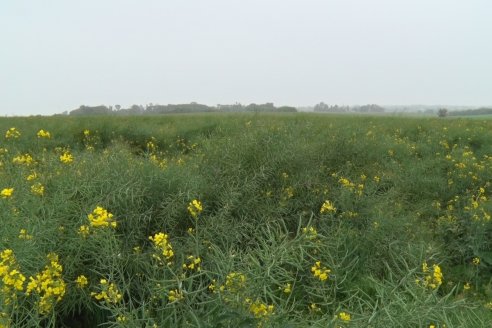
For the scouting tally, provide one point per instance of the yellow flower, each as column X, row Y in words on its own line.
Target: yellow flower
column 81, row 281
column 288, row 192
column 84, row 231
column 100, row 217
column 327, row 207
column 32, row 176
column 7, row 192
column 11, row 277
column 313, row 307
column 43, row 134
column 195, row 208
column 467, row 286
column 23, row 159
column 66, row 158
column 12, row 133
column 109, row 293
column 345, row 317
column 320, row 272
column 48, row 284
column 37, row 189
column 288, row 288
column 433, row 278
column 476, row 260
column 212, row 286
column 260, row 309
column 192, row 263
column 310, row 232
column 162, row 246
column 175, row 296
column 24, row 235
column 235, row 281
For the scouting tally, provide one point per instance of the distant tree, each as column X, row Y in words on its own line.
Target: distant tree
column 442, row 112
column 118, row 107
column 321, row 107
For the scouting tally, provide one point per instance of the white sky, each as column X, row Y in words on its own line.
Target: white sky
column 56, row 55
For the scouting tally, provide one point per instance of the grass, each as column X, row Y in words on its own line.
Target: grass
column 301, row 220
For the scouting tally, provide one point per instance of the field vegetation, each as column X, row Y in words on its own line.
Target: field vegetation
column 245, row 220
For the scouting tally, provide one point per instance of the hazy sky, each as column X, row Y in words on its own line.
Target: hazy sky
column 56, row 55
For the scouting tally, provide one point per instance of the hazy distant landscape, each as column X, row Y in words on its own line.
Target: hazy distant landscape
column 193, row 107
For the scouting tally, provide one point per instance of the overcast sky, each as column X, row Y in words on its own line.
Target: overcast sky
column 56, row 55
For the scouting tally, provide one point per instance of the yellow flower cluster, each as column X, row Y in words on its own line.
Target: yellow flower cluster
column 12, row 133
column 347, row 184
column 320, row 272
column 195, row 208
column 81, row 281
column 175, row 295
column 25, row 159
column 37, row 189
column 66, row 157
column 24, row 235
column 163, row 246
column 109, row 293
column 310, row 232
column 32, row 176
column 43, row 134
column 235, row 281
column 155, row 156
column 344, row 316
column 476, row 261
column 287, row 193
column 48, row 285
column 477, row 208
column 327, row 207
column 100, row 217
column 433, row 277
column 84, row 231
column 192, row 263
column 287, row 288
column 12, row 278
column 259, row 309
column 6, row 192
column 90, row 140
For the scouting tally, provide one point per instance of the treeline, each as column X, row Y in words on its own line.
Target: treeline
column 152, row 109
column 372, row 108
column 478, row 111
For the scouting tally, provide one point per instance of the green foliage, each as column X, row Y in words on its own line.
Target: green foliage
column 302, row 220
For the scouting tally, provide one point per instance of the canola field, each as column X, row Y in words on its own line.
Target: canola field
column 246, row 220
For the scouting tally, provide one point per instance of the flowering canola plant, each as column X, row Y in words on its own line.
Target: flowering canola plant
column 320, row 272
column 327, row 207
column 109, row 293
column 66, row 158
column 163, row 247
column 12, row 133
column 195, row 208
column 11, row 277
column 48, row 285
column 100, row 217
column 81, row 281
column 7, row 192
column 43, row 134
column 433, row 277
